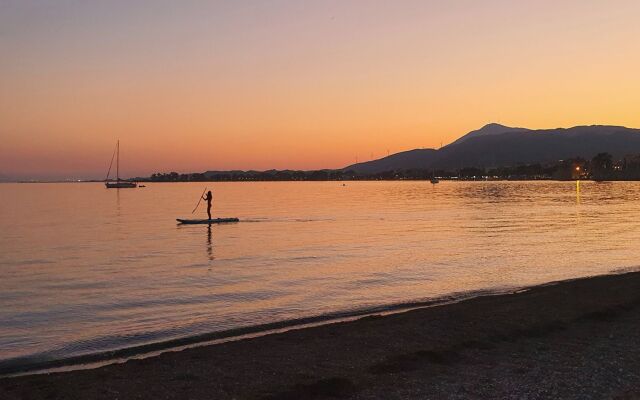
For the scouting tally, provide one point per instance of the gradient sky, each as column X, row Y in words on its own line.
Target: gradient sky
column 198, row 85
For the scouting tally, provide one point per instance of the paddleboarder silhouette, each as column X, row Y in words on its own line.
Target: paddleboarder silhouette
column 208, row 198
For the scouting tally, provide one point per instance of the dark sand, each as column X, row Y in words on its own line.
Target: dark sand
column 576, row 340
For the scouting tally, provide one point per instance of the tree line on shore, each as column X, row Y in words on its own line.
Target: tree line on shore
column 600, row 167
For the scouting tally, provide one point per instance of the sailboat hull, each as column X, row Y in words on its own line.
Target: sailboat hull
column 120, row 185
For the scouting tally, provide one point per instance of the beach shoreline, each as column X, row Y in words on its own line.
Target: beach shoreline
column 25, row 366
column 570, row 339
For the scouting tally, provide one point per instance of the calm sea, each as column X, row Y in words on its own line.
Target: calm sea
column 85, row 270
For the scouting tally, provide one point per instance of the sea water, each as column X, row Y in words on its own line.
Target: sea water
column 86, row 270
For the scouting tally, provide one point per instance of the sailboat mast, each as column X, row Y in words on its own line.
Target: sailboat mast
column 118, row 161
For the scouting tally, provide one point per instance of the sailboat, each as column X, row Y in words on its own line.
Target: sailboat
column 117, row 184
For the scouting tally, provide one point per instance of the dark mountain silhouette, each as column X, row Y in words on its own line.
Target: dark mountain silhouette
column 499, row 146
column 411, row 159
column 488, row 130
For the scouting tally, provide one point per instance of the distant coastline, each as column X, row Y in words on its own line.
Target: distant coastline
column 600, row 168
column 493, row 152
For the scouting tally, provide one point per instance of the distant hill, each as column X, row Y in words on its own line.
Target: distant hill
column 496, row 145
column 488, row 130
column 417, row 158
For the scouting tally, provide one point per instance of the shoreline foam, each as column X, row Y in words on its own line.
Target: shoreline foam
column 29, row 365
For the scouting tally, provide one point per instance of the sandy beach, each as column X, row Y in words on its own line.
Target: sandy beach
column 576, row 339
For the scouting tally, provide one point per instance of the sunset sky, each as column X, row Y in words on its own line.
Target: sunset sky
column 199, row 85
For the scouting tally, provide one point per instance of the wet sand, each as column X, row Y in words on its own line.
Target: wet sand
column 577, row 339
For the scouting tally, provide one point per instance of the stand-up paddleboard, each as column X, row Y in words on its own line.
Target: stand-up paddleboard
column 207, row 221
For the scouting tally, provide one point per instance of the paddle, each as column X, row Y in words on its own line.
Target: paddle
column 194, row 210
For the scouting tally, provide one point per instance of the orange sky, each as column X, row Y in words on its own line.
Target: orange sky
column 192, row 86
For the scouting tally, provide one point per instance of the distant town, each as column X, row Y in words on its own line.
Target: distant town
column 601, row 167
column 493, row 152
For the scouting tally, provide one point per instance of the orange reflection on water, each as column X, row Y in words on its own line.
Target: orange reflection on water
column 82, row 265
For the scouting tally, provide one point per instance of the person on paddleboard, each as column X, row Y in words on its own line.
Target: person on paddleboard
column 208, row 198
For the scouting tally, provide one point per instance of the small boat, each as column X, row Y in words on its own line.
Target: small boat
column 435, row 180
column 207, row 221
column 118, row 183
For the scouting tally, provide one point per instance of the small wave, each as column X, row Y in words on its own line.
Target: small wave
column 27, row 262
column 276, row 220
column 625, row 270
column 48, row 361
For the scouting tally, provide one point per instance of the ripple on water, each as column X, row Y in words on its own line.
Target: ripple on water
column 81, row 281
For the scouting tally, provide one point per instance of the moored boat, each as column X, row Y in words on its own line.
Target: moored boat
column 118, row 183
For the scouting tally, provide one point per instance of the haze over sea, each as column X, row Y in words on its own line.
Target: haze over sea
column 85, row 270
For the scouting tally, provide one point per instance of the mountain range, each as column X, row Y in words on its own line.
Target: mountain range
column 496, row 145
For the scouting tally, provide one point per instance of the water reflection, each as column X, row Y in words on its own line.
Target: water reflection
column 118, row 202
column 492, row 192
column 313, row 248
column 209, row 245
